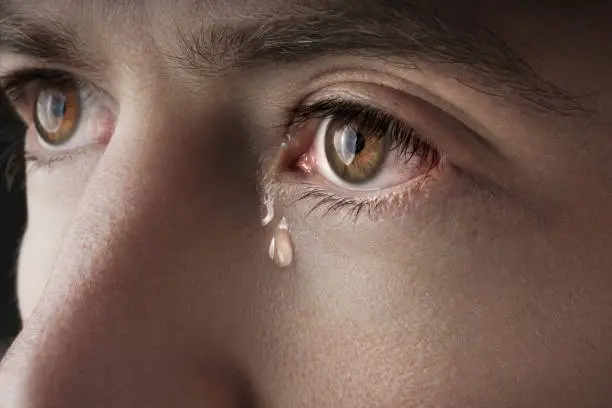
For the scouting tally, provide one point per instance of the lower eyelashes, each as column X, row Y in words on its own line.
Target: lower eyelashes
column 375, row 208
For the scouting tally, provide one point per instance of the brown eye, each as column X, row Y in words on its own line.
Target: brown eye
column 353, row 152
column 56, row 114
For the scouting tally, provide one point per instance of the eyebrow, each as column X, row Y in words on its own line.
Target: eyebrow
column 410, row 34
column 44, row 40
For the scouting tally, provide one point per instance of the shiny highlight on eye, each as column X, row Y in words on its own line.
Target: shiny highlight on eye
column 379, row 164
column 56, row 114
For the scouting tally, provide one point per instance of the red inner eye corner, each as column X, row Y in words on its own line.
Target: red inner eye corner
column 305, row 163
column 297, row 155
column 107, row 124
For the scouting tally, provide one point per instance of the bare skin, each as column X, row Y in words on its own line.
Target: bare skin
column 144, row 275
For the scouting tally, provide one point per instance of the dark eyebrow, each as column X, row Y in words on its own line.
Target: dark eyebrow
column 407, row 33
column 411, row 34
column 46, row 41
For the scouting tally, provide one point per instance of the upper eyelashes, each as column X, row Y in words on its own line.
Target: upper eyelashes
column 357, row 158
column 353, row 143
column 352, row 154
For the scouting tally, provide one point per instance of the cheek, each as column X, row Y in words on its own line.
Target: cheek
column 461, row 301
column 35, row 262
column 47, row 222
column 53, row 194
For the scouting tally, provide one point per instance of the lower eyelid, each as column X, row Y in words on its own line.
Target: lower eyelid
column 323, row 199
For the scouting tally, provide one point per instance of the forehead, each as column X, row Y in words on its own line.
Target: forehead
column 156, row 15
column 101, row 24
column 140, row 13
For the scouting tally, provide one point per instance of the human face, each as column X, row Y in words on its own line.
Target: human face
column 443, row 173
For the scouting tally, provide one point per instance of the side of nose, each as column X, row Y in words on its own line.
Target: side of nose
column 163, row 242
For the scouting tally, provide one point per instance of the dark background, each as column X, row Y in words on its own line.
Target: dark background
column 12, row 219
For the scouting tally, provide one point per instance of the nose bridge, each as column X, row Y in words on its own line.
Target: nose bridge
column 164, row 237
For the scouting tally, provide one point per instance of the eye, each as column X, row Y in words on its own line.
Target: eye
column 355, row 157
column 362, row 149
column 62, row 113
column 57, row 113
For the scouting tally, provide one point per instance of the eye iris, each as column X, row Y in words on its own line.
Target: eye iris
column 56, row 114
column 354, row 155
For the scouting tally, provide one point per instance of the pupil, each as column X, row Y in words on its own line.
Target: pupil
column 359, row 142
column 353, row 152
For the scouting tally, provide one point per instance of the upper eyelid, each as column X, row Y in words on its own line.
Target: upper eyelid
column 13, row 82
column 366, row 116
column 464, row 145
column 333, row 106
column 362, row 113
column 16, row 88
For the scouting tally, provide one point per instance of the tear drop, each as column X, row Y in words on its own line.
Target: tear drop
column 267, row 210
column 281, row 246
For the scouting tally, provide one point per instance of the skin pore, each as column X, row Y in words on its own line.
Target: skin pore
column 483, row 280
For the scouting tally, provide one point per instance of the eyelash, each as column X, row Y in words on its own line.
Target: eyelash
column 404, row 140
column 15, row 86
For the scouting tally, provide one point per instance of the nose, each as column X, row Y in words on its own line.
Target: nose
column 148, row 301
